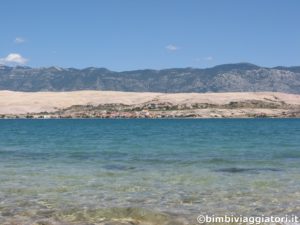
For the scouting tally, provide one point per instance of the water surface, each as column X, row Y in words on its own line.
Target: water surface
column 151, row 171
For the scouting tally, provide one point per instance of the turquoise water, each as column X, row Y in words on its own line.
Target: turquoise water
column 147, row 171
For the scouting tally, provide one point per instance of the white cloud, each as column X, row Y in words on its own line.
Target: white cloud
column 208, row 58
column 19, row 40
column 172, row 48
column 13, row 58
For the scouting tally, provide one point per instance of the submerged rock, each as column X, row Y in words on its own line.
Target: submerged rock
column 246, row 170
column 120, row 223
column 115, row 216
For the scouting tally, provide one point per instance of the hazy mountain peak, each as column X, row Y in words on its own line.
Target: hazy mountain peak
column 236, row 66
column 222, row 78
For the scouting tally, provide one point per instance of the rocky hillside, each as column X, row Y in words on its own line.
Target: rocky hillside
column 241, row 77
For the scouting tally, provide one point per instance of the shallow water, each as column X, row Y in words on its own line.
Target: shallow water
column 147, row 171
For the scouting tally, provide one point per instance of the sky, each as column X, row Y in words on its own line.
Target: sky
column 138, row 34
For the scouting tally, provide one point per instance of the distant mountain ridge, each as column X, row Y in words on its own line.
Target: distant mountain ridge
column 239, row 77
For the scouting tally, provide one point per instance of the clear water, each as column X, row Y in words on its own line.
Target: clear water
column 147, row 171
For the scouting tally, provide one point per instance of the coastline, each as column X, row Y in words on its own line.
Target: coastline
column 121, row 116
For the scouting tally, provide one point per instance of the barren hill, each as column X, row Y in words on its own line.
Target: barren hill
column 131, row 104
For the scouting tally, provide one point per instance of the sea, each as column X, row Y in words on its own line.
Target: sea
column 147, row 171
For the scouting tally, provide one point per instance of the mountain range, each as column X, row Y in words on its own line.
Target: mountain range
column 239, row 77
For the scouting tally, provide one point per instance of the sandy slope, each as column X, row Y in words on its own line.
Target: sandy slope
column 33, row 102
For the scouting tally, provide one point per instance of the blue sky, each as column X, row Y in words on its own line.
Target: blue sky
column 136, row 34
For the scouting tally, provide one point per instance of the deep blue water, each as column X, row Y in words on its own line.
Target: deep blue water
column 245, row 166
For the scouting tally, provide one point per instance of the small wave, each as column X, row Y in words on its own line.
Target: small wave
column 118, row 167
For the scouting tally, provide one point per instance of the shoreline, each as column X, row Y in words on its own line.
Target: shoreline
column 43, row 117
